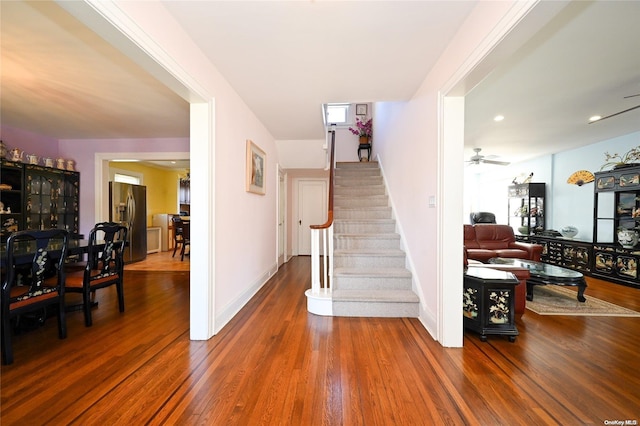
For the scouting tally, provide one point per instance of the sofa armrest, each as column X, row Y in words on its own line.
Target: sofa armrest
column 534, row 251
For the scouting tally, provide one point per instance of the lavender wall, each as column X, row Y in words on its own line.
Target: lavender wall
column 30, row 143
column 84, row 151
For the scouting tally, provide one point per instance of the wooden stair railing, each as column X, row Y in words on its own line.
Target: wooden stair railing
column 325, row 230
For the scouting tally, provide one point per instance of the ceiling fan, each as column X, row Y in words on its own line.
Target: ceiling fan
column 619, row 112
column 478, row 159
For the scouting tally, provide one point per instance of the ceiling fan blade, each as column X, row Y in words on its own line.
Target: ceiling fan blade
column 617, row 113
column 499, row 163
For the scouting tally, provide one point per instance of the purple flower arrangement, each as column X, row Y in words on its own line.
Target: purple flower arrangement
column 363, row 128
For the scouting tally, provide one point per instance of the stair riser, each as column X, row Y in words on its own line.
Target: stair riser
column 375, row 309
column 363, row 228
column 357, row 166
column 365, row 243
column 339, row 213
column 347, row 282
column 354, row 202
column 368, row 262
column 356, row 181
column 359, row 191
column 357, row 173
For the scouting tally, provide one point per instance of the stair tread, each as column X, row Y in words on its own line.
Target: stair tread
column 360, row 235
column 362, row 208
column 369, row 252
column 364, row 220
column 401, row 296
column 357, row 196
column 372, row 272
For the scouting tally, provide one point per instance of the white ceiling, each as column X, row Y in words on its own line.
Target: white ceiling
column 287, row 58
column 584, row 62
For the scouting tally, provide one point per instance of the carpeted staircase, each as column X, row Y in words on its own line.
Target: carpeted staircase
column 369, row 278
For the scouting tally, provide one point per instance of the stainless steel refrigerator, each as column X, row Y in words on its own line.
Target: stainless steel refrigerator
column 128, row 206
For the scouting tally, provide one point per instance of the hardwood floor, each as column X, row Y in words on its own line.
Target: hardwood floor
column 276, row 364
column 162, row 261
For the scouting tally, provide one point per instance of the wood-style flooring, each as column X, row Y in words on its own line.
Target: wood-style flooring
column 276, row 364
column 162, row 261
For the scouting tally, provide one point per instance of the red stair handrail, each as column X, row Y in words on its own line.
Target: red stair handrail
column 329, row 221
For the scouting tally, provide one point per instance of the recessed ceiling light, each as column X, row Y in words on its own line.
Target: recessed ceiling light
column 498, row 118
column 595, row 118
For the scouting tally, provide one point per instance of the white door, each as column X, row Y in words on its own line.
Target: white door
column 312, row 210
column 281, row 217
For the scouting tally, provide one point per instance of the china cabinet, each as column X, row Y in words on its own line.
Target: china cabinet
column 563, row 252
column 526, row 207
column 11, row 198
column 39, row 198
column 616, row 224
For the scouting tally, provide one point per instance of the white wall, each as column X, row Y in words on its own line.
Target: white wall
column 486, row 185
column 580, row 198
column 566, row 204
column 347, row 145
column 301, row 154
column 408, row 140
column 244, row 248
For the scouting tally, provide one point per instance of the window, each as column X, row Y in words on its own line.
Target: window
column 125, row 176
column 337, row 113
column 126, row 179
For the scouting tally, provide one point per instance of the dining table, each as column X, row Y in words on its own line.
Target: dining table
column 24, row 252
column 76, row 250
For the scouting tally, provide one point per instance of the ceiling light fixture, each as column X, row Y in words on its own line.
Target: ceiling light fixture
column 498, row 118
column 595, row 118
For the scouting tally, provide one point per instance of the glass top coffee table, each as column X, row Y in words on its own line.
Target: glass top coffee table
column 543, row 274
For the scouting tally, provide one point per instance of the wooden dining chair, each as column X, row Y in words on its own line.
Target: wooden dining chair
column 104, row 267
column 178, row 235
column 186, row 237
column 34, row 280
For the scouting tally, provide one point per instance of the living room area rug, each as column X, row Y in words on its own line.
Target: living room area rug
column 556, row 300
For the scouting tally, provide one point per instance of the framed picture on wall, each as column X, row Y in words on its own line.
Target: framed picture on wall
column 256, row 161
column 361, row 109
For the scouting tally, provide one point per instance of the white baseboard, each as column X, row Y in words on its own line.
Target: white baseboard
column 232, row 309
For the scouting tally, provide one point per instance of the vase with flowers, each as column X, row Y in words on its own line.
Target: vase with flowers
column 364, row 129
column 630, row 159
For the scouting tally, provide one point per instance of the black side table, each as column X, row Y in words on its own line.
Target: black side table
column 489, row 302
column 366, row 147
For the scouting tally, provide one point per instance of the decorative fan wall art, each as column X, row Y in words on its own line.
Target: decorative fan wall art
column 581, row 177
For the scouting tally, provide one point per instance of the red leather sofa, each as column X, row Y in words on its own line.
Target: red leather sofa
column 484, row 241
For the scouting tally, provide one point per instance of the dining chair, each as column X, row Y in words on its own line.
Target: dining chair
column 104, row 267
column 34, row 280
column 186, row 237
column 178, row 237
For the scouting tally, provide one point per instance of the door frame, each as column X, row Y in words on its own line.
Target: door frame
column 281, row 210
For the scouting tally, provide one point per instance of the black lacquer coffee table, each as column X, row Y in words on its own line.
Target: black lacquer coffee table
column 543, row 274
